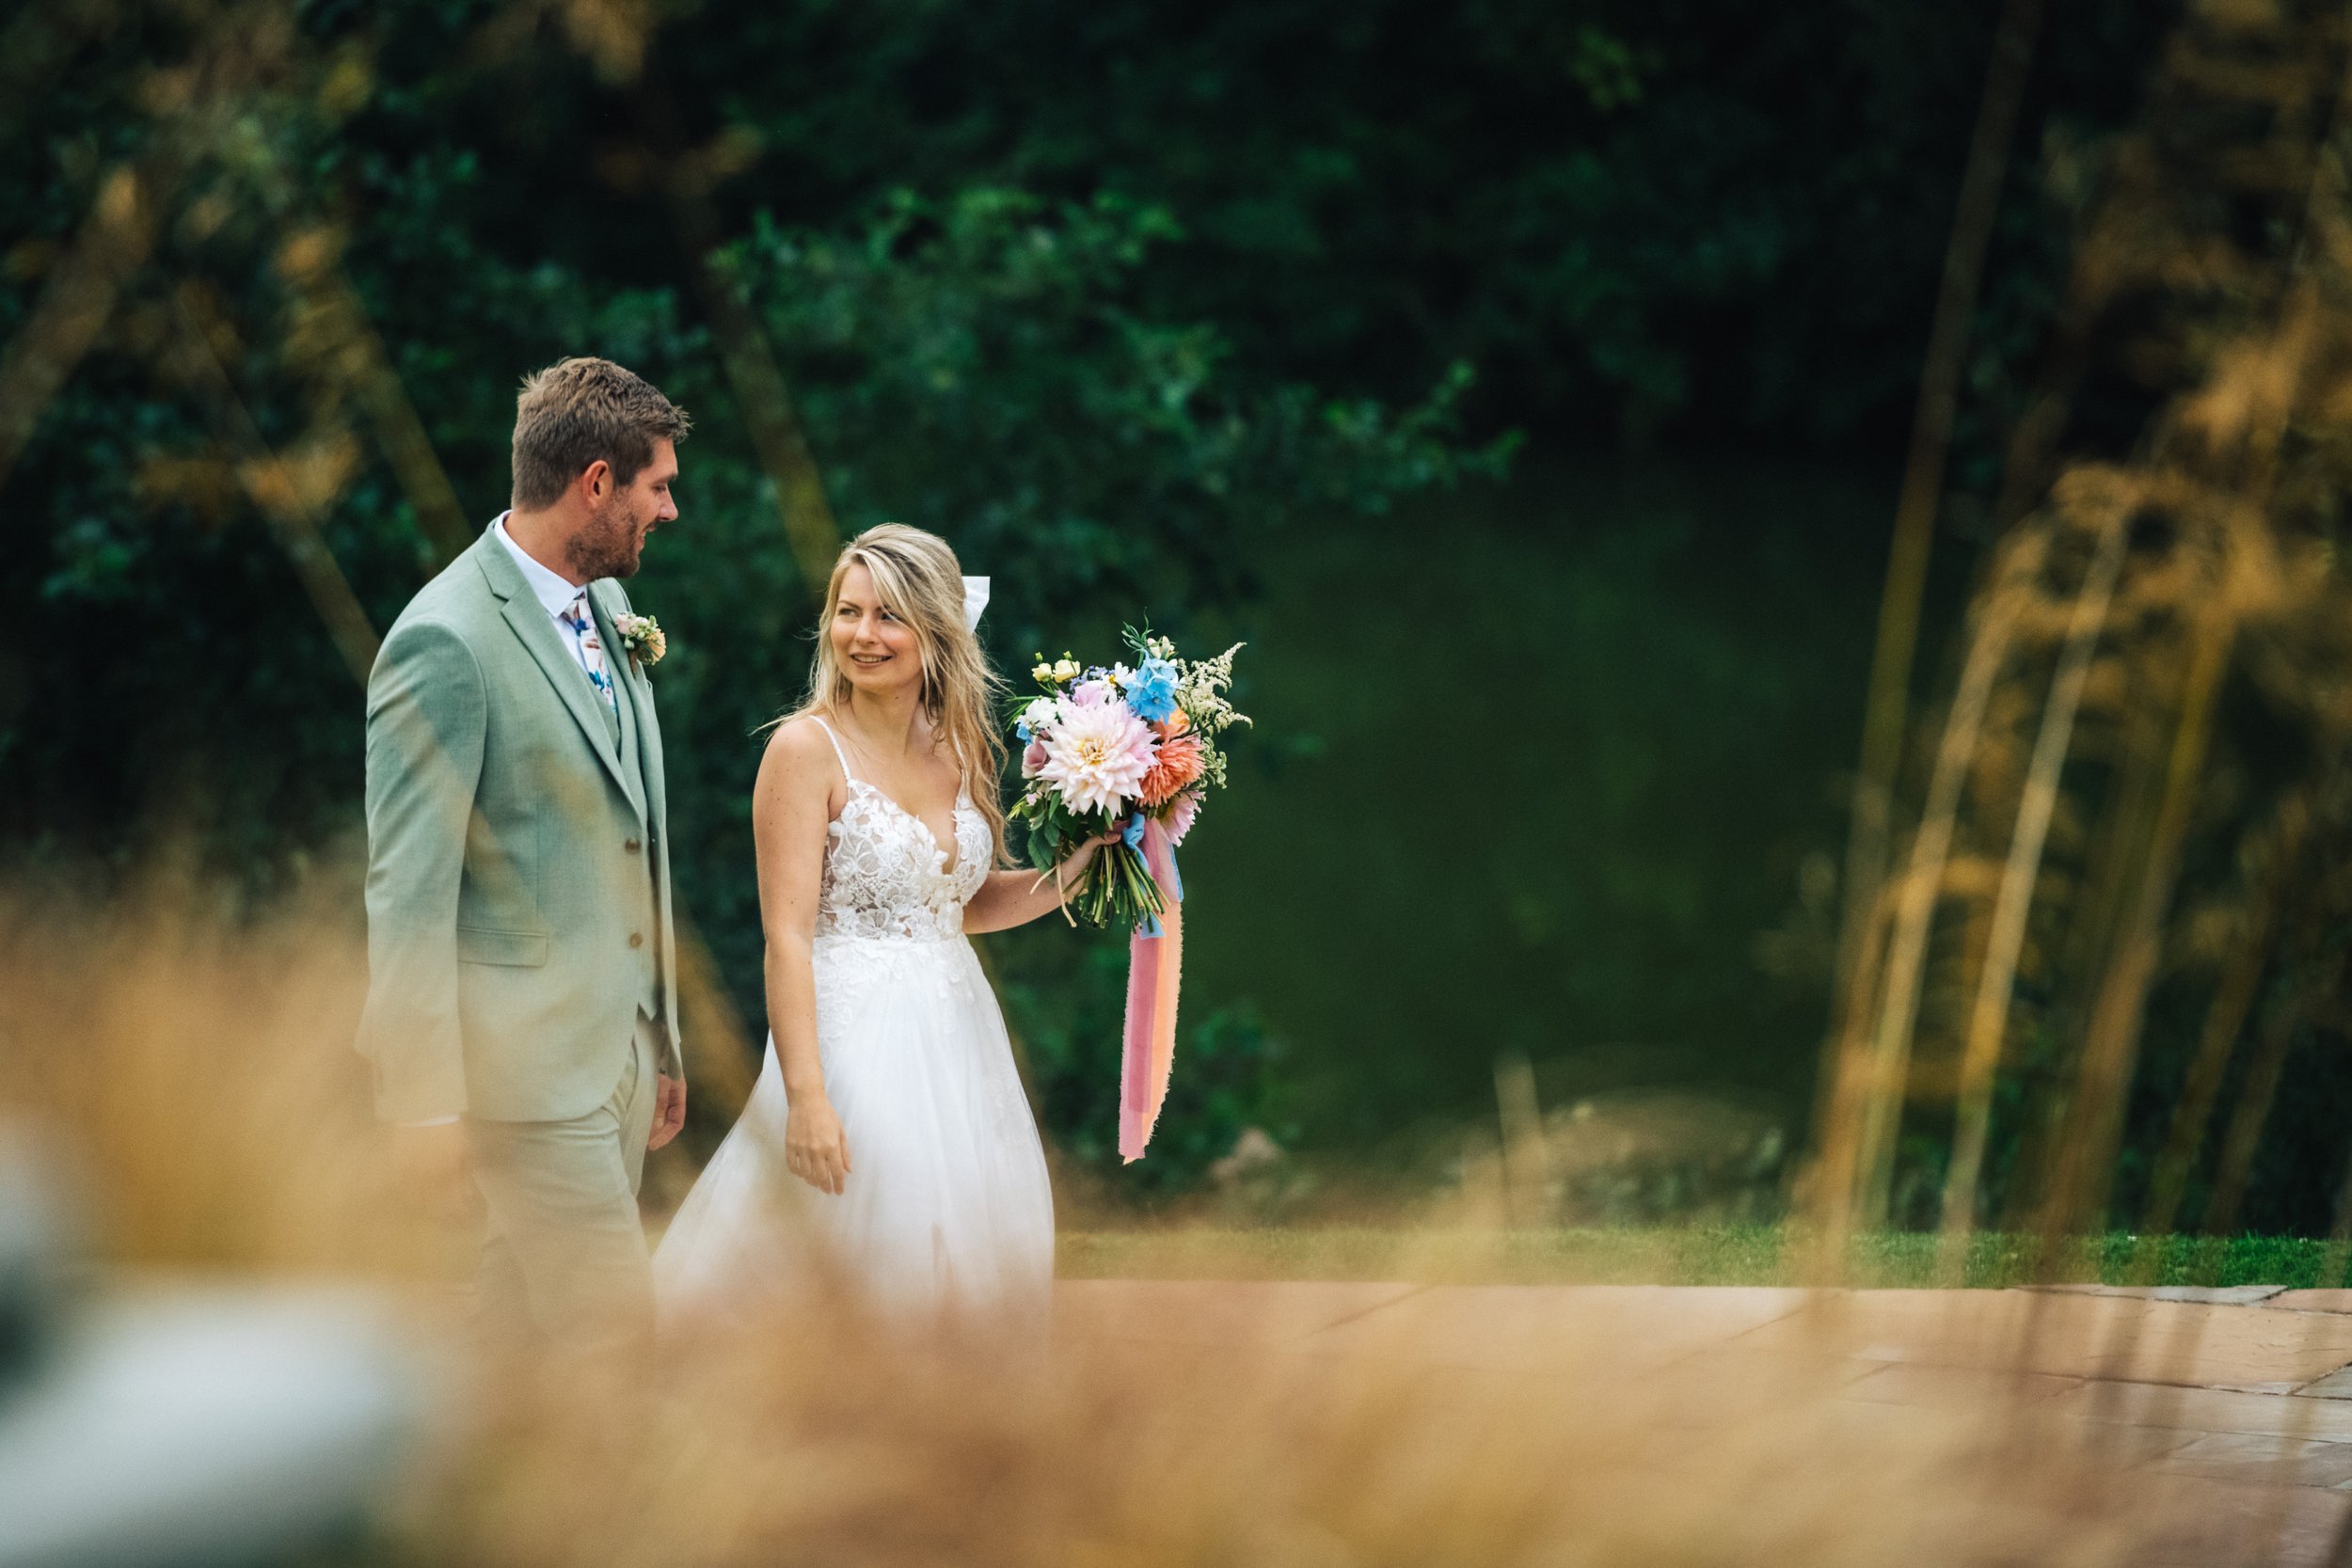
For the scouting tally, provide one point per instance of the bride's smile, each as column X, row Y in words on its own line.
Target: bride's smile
column 875, row 648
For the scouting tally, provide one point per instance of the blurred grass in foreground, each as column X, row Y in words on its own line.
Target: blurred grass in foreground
column 1711, row 1255
column 197, row 1072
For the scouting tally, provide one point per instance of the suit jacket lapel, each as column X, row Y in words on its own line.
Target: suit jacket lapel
column 632, row 677
column 649, row 752
column 535, row 629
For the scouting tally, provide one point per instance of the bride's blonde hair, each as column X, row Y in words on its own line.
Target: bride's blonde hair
column 917, row 577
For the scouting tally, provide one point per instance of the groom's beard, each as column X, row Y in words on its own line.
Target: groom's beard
column 608, row 547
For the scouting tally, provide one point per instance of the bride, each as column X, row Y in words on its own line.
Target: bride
column 888, row 1088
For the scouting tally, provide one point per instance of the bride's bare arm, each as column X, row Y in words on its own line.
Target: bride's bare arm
column 792, row 804
column 1010, row 898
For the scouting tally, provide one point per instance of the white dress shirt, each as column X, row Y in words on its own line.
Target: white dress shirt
column 555, row 593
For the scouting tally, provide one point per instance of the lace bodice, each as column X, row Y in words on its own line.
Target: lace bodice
column 886, row 879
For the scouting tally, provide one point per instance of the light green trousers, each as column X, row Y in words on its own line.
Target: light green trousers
column 564, row 1263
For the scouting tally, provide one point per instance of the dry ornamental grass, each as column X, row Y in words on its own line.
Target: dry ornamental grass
column 203, row 1076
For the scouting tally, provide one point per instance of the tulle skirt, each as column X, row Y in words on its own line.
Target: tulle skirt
column 947, row 1208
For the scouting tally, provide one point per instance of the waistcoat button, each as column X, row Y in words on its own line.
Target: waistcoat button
column 637, row 939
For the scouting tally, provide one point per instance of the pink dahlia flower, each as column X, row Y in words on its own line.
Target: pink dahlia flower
column 1097, row 755
column 1180, row 816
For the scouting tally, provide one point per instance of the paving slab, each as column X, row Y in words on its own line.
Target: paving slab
column 2103, row 1338
column 1863, row 1426
column 2230, row 1524
column 2238, row 1413
column 1953, row 1387
column 2220, row 1347
column 1223, row 1314
column 2207, row 1295
column 1555, row 1328
column 2121, row 1446
column 2265, row 1461
column 2180, row 1408
column 2076, row 1336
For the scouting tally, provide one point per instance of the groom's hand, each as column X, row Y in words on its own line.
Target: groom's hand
column 669, row 1110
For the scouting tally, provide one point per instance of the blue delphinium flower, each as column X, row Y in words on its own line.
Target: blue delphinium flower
column 1152, row 690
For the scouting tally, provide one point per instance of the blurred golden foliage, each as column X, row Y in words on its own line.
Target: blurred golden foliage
column 2088, row 750
column 201, row 1070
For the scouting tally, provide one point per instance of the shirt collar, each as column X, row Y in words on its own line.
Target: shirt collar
column 554, row 592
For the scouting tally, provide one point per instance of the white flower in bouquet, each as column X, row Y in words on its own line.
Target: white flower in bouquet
column 1096, row 754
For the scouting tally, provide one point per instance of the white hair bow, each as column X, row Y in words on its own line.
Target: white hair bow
column 974, row 601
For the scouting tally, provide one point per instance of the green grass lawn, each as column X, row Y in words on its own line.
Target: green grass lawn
column 1755, row 1255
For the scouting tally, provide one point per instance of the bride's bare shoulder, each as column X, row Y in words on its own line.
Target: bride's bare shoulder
column 799, row 755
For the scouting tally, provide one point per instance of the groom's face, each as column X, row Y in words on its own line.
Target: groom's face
column 611, row 540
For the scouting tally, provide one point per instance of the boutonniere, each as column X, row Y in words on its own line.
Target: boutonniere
column 642, row 636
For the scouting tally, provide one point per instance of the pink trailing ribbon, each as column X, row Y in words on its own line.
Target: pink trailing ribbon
column 1155, row 961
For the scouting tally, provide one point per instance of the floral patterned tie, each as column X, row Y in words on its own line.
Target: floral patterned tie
column 583, row 625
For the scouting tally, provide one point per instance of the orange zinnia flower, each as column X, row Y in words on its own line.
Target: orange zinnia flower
column 1177, row 763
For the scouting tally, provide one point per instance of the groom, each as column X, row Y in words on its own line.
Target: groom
column 522, row 998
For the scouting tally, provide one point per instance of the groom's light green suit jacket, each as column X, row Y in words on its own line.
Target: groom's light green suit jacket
column 518, row 858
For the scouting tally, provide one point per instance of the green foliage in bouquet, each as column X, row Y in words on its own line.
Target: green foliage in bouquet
column 1117, row 889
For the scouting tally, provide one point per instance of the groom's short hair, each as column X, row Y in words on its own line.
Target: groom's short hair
column 579, row 410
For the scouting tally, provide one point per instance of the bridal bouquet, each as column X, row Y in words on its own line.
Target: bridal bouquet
column 1125, row 749
column 1131, row 750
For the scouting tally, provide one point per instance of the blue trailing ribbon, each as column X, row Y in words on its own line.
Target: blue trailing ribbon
column 1132, row 835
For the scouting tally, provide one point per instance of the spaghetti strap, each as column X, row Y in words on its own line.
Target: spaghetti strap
column 838, row 754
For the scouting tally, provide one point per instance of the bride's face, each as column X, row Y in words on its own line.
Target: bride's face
column 871, row 645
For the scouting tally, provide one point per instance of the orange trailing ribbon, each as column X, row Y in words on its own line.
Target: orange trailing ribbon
column 1155, row 960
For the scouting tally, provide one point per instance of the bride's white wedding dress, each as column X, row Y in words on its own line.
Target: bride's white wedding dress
column 946, row 1203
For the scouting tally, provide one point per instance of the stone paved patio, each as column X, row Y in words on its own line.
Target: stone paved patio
column 2236, row 1403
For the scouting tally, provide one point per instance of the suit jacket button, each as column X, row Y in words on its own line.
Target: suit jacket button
column 630, row 844
column 637, row 939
